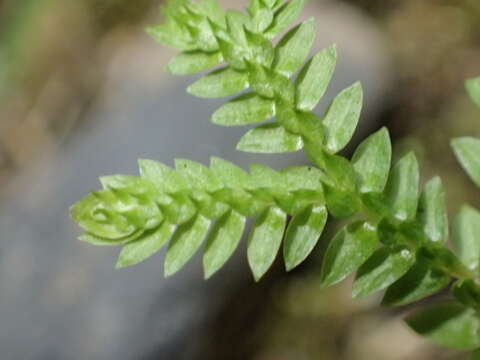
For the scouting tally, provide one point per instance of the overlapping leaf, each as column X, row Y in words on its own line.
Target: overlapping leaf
column 182, row 207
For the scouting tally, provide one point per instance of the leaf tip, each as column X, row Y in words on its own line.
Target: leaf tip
column 169, row 270
column 121, row 264
column 207, row 274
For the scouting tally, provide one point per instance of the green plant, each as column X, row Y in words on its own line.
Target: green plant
column 397, row 240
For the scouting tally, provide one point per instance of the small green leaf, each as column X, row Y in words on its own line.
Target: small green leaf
column 473, row 89
column 192, row 62
column 260, row 49
column 262, row 20
column 255, row 6
column 121, row 182
column 288, row 117
column 284, row 16
column 448, row 324
column 198, row 175
column 219, row 83
column 270, row 3
column 341, row 174
column 97, row 213
column 222, row 242
column 292, row 50
column 432, row 211
column 419, row 282
column 376, row 203
column 244, row 110
column 236, row 20
column 371, row 161
column 99, row 241
column 187, row 239
column 349, row 249
column 264, row 240
column 261, row 79
column 467, row 292
column 178, row 208
column 340, row 203
column 141, row 249
column 312, row 127
column 270, row 138
column 228, row 173
column 284, row 90
column 172, row 35
column 402, row 188
column 303, row 177
column 212, row 9
column 465, row 230
column 342, row 117
column 164, row 177
column 313, row 80
column 302, row 235
column 264, row 177
column 467, row 150
column 382, row 269
column 233, row 53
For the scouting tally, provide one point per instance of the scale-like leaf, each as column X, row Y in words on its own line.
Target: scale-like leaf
column 270, row 3
column 371, row 162
column 313, row 80
column 212, row 9
column 342, row 117
column 192, row 62
column 467, row 292
column 467, row 150
column 228, row 173
column 349, row 249
column 99, row 241
column 141, row 249
column 162, row 176
column 244, row 110
column 198, row 175
column 262, row 20
column 222, row 241
column 382, row 269
column 285, row 16
column 292, row 50
column 264, row 241
column 219, row 83
column 264, row 177
column 303, row 177
column 260, row 50
column 171, row 35
column 448, row 324
column 236, row 21
column 402, row 188
column 432, row 211
column 270, row 138
column 473, row 89
column 419, row 282
column 302, row 235
column 185, row 242
column 465, row 232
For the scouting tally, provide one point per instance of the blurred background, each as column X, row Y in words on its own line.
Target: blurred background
column 83, row 93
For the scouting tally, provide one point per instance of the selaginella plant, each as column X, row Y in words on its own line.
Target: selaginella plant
column 397, row 240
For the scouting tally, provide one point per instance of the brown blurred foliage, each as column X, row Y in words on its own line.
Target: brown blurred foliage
column 53, row 55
